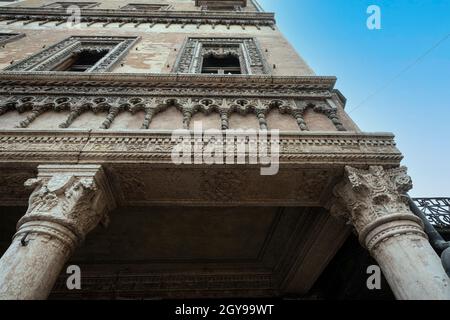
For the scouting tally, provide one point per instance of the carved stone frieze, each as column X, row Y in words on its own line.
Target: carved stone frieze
column 150, row 83
column 151, row 106
column 100, row 146
column 240, row 18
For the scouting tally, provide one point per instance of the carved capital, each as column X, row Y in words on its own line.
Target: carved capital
column 375, row 204
column 68, row 201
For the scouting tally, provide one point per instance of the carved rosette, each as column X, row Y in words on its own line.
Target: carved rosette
column 374, row 202
column 68, row 201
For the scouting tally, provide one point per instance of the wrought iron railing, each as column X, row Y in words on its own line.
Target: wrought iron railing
column 437, row 211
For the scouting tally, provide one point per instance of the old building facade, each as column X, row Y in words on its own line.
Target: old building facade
column 91, row 94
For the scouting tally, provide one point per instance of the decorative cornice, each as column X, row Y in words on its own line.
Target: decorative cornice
column 142, row 16
column 172, row 285
column 170, row 80
column 98, row 147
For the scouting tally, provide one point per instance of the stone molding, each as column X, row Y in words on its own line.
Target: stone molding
column 374, row 202
column 174, row 285
column 67, row 202
column 152, row 80
column 172, row 86
column 306, row 148
column 168, row 17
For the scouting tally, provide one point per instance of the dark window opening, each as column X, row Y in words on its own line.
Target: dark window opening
column 222, row 8
column 81, row 61
column 221, row 65
column 145, row 6
column 65, row 5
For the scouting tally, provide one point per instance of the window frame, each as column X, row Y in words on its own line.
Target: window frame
column 190, row 58
column 54, row 55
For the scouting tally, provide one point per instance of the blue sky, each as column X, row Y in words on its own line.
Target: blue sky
column 396, row 79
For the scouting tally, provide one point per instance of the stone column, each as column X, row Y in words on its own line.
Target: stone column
column 375, row 204
column 68, row 201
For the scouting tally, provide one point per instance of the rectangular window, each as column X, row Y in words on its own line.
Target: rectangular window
column 81, row 61
column 146, row 7
column 78, row 54
column 65, row 5
column 221, row 64
column 225, row 4
column 221, row 56
column 221, row 7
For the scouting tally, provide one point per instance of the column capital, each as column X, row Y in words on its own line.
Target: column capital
column 67, row 202
column 374, row 202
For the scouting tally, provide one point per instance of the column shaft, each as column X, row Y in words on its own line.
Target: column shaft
column 68, row 201
column 412, row 268
column 33, row 262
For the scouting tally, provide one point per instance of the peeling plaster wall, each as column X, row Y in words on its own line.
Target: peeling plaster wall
column 158, row 48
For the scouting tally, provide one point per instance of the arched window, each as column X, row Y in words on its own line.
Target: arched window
column 227, row 64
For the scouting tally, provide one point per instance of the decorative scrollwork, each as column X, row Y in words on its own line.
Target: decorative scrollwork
column 437, row 211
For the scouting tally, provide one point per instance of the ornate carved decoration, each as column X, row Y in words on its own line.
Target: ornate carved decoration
column 247, row 49
column 222, row 186
column 52, row 56
column 437, row 211
column 131, row 83
column 375, row 204
column 68, row 201
column 326, row 107
column 188, row 106
column 116, row 147
column 106, row 16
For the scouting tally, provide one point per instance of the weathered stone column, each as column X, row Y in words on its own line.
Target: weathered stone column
column 374, row 201
column 68, row 201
